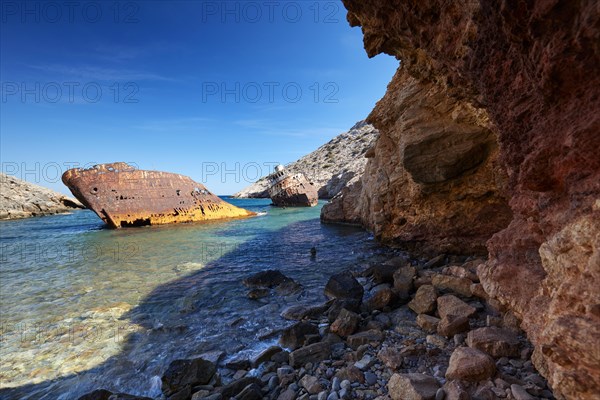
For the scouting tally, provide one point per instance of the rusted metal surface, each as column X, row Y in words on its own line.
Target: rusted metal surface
column 124, row 196
column 291, row 190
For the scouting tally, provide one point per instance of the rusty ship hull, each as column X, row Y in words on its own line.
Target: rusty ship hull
column 292, row 191
column 123, row 196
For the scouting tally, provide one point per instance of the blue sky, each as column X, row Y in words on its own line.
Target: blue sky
column 216, row 90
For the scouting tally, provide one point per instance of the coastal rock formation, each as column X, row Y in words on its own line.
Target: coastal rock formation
column 20, row 199
column 331, row 167
column 496, row 103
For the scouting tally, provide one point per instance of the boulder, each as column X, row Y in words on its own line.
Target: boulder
column 424, row 301
column 345, row 324
column 495, row 341
column 461, row 286
column 265, row 355
column 234, row 388
column 295, row 335
column 265, row 279
column 452, row 305
column 311, row 353
column 403, row 281
column 358, row 339
column 412, row 387
column 470, row 364
column 181, row 375
column 379, row 297
column 344, row 286
column 450, row 325
column 428, row 323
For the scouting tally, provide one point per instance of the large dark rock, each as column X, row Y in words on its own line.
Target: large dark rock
column 265, row 279
column 235, row 387
column 100, row 394
column 311, row 353
column 295, row 335
column 183, row 374
column 344, row 286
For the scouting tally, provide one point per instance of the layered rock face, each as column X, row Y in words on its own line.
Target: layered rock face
column 532, row 68
column 20, row 199
column 331, row 167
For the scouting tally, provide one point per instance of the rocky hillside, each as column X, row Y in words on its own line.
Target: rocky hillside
column 332, row 166
column 489, row 130
column 20, row 199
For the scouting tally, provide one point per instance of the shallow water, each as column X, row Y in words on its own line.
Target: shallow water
column 85, row 307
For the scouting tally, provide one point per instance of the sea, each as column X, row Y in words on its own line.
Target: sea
column 84, row 307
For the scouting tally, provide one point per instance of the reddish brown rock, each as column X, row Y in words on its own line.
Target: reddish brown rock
column 345, row 324
column 428, row 323
column 470, row 365
column 450, row 325
column 412, row 387
column 532, row 68
column 424, row 301
column 461, row 286
column 452, row 305
column 497, row 342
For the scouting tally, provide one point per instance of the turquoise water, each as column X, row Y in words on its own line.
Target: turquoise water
column 86, row 307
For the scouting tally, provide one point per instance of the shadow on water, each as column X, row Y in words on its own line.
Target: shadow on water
column 208, row 310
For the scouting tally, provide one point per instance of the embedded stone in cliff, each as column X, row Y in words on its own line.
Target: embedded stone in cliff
column 446, row 155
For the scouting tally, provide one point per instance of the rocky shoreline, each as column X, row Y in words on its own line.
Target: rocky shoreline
column 393, row 328
column 21, row 199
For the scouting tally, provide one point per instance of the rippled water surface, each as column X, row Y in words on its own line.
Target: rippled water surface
column 84, row 307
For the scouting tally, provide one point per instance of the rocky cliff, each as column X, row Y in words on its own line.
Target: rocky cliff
column 331, row 167
column 20, row 199
column 491, row 127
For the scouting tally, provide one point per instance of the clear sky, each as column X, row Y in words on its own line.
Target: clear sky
column 216, row 90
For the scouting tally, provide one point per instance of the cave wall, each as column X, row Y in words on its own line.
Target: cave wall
column 512, row 88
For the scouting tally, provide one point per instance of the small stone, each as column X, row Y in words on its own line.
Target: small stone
column 440, row 394
column 370, row 378
column 519, row 393
column 424, row 301
column 250, row 392
column 288, row 394
column 454, row 390
column 391, row 357
column 258, row 293
column 335, row 384
column 363, row 363
column 435, row 262
column 470, row 365
column 286, row 375
column 412, row 387
column 333, row 396
column 311, row 384
column 322, row 396
column 380, row 297
column 345, row 384
column 265, row 355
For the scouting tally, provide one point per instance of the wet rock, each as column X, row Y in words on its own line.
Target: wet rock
column 288, row 287
column 345, row 324
column 311, row 353
column 295, row 335
column 412, row 387
column 100, row 394
column 452, row 305
column 495, row 341
column 286, row 375
column 265, row 355
column 258, row 293
column 379, row 297
column 403, row 281
column 181, row 375
column 237, row 386
column 424, row 301
column 311, row 384
column 470, row 365
column 461, row 286
column 239, row 362
column 250, row 392
column 125, row 396
column 338, row 304
column 358, row 339
column 213, row 356
column 428, row 323
column 344, row 286
column 450, row 325
column 382, row 273
column 265, row 279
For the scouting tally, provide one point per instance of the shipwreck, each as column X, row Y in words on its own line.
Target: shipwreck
column 123, row 196
column 291, row 190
